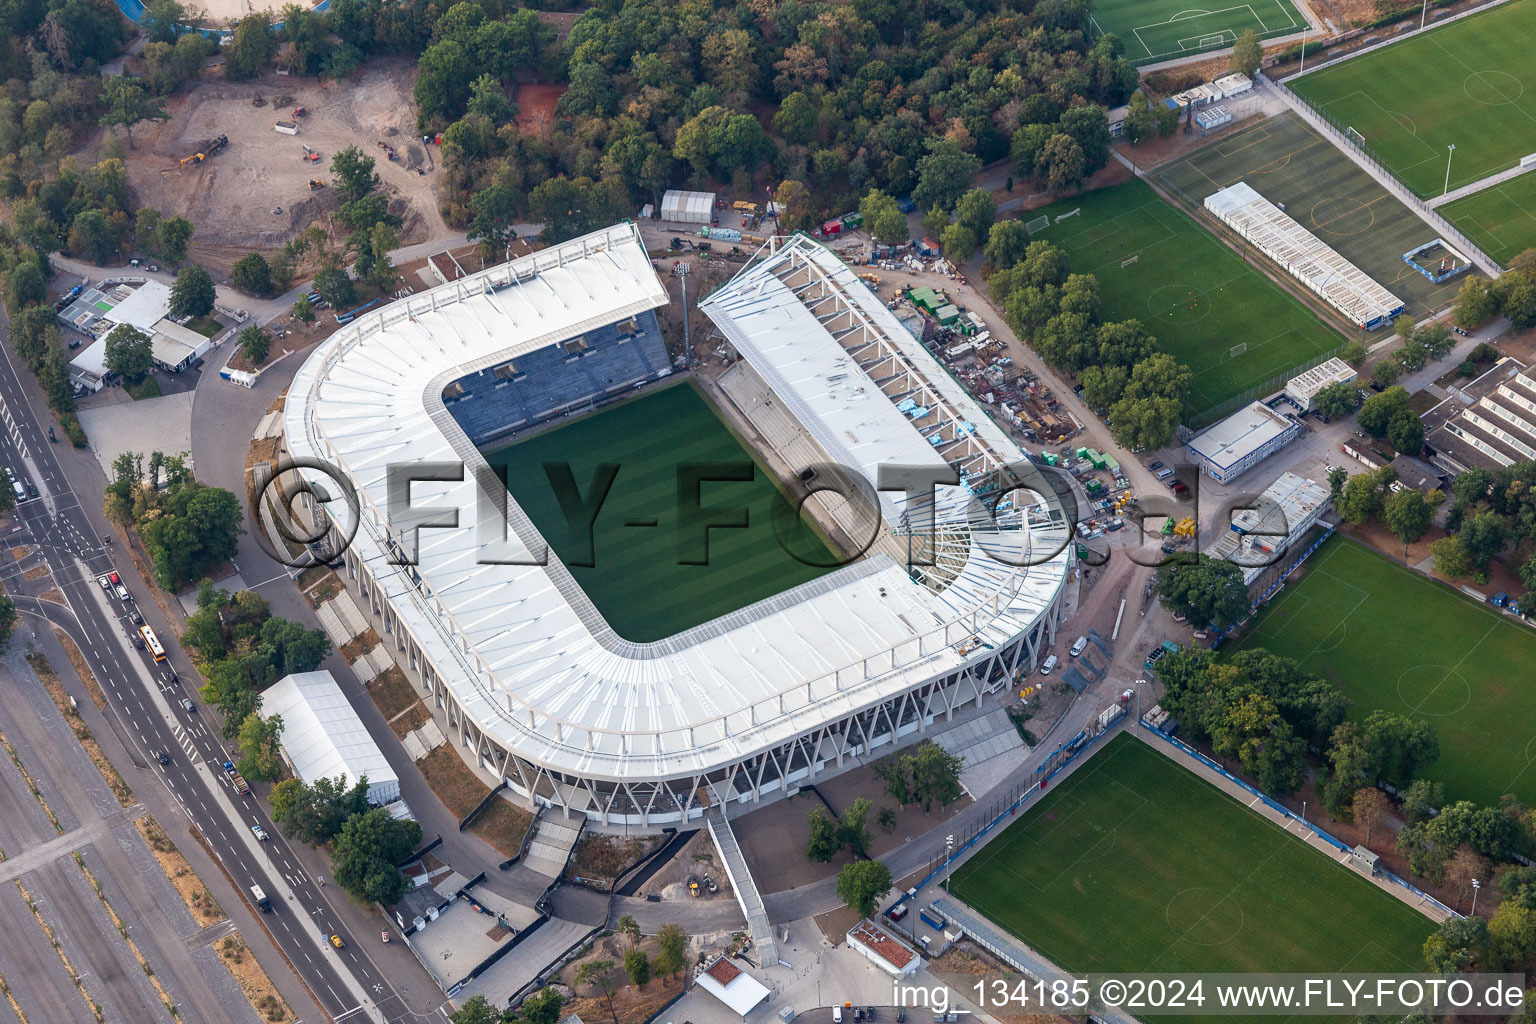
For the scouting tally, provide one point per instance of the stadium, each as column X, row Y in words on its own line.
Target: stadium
column 958, row 591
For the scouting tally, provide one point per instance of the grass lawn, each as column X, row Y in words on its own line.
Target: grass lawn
column 640, row 581
column 1136, row 864
column 1392, row 639
column 1501, row 219
column 1289, row 164
column 1195, row 295
column 1154, row 30
column 207, row 326
column 148, row 388
column 1471, row 84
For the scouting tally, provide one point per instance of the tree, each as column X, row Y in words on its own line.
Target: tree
column 1398, row 749
column 1062, row 164
column 637, row 966
column 883, row 219
column 1140, row 121
column 254, row 343
column 543, row 1007
column 1406, row 431
column 1088, row 125
column 366, row 853
column 1336, row 401
column 1476, row 304
column 977, row 212
column 862, row 884
column 1247, row 53
column 193, row 293
column 1519, row 299
column 1103, row 385
column 7, row 619
column 493, row 211
column 853, row 828
column 1205, row 591
column 1152, row 404
column 796, row 120
column 476, row 1010
column 958, row 242
column 942, row 175
column 335, row 287
column 252, row 47
column 717, row 142
column 1252, row 732
column 1006, row 243
column 1482, row 536
column 130, row 354
column 1512, row 934
column 1377, row 412
column 354, row 174
column 595, row 973
column 316, row 814
column 1460, row 871
column 174, row 236
column 824, row 842
column 630, row 929
column 128, row 102
column 259, row 757
column 92, row 237
column 1386, row 373
column 252, row 274
column 935, row 775
column 303, row 310
column 671, row 949
column 1348, row 766
column 1371, row 808
column 794, row 201
column 1457, row 945
column 1420, row 800
column 1364, row 494
column 1451, row 559
column 1407, row 514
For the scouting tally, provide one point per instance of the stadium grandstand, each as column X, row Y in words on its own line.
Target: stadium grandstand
column 960, row 593
column 1304, row 256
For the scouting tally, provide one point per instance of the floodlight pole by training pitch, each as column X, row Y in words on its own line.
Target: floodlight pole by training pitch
column 1450, row 152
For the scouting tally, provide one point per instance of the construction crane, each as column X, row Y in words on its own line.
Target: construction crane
column 211, row 148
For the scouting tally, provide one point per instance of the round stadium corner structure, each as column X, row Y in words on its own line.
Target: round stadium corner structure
column 958, row 596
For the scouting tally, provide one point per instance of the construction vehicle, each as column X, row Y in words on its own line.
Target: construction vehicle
column 299, row 112
column 315, row 183
column 241, row 786
column 310, row 155
column 389, row 151
column 211, row 147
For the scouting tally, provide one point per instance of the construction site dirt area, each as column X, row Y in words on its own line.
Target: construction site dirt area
column 263, row 187
column 536, row 106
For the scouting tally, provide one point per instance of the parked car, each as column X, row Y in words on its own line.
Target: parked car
column 1049, row 664
column 1155, row 466
column 1078, row 645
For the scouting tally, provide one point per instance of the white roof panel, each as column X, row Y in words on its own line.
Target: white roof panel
column 322, row 736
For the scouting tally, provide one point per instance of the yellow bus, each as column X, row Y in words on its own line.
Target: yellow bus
column 152, row 642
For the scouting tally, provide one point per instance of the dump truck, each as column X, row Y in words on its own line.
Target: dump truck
column 206, row 150
column 241, row 786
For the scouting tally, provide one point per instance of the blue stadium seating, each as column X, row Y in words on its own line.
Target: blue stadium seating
column 499, row 400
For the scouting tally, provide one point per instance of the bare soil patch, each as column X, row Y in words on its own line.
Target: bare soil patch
column 631, row 1005
column 52, row 594
column 910, row 822
column 391, row 692
column 561, row 20
column 360, row 645
column 319, row 585
column 503, row 825
column 205, row 909
column 37, row 572
column 83, row 670
column 536, row 106
column 773, row 840
column 20, row 552
column 409, row 720
column 605, row 858
column 451, row 781
column 232, row 195
column 253, row 981
column 109, row 774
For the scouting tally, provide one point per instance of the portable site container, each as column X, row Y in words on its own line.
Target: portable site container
column 932, row 918
column 946, row 314
column 852, row 220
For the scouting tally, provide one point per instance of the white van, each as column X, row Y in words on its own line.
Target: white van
column 1078, row 645
column 837, row 1015
column 17, row 486
column 1164, row 473
column 1048, row 665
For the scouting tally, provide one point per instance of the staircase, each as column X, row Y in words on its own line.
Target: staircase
column 552, row 844
column 745, row 888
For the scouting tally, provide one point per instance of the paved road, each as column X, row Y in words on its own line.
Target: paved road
column 66, row 527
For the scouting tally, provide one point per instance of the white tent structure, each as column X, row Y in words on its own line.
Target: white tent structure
column 687, row 207
column 322, row 736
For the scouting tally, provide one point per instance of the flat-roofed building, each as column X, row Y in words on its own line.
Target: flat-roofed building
column 1230, row 448
column 1489, row 423
column 1302, row 389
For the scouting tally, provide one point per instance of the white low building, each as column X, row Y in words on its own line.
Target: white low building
column 175, row 347
column 883, row 949
column 144, row 307
column 1302, row 389
column 89, row 368
column 681, row 207
column 732, row 986
column 322, row 736
column 1228, row 449
column 1277, row 519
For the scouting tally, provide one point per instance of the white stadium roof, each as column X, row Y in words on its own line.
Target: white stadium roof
column 522, row 648
column 322, row 736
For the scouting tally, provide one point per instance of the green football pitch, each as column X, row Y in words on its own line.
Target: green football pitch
column 1327, row 193
column 1389, row 638
column 641, row 579
column 1154, row 30
column 1199, row 299
column 1501, row 219
column 1471, row 84
column 1134, row 863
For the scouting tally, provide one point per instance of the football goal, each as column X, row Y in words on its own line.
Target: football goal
column 1069, row 213
column 1040, row 223
column 1355, row 137
column 1209, row 41
column 1127, row 262
column 1238, row 350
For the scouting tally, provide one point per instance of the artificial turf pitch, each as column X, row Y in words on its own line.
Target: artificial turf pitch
column 640, row 580
column 1500, row 219
column 1154, row 30
column 1134, row 863
column 1389, row 638
column 1195, row 295
column 1288, row 163
column 1471, row 84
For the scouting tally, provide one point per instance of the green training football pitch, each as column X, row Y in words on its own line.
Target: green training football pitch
column 1323, row 190
column 1389, row 638
column 1501, row 219
column 1134, row 863
column 1196, row 296
column 1154, row 30
column 643, row 538
column 1471, row 84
